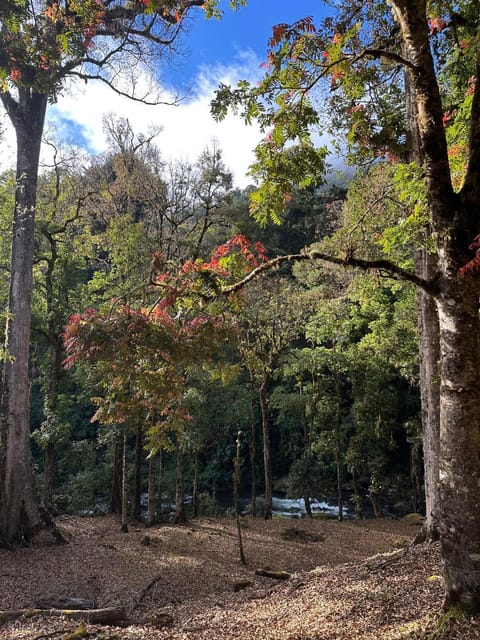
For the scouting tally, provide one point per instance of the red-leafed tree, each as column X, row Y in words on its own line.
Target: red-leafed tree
column 143, row 356
column 42, row 44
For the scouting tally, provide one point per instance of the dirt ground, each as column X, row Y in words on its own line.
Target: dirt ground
column 356, row 579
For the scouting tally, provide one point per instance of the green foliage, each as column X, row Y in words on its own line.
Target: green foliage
column 306, row 478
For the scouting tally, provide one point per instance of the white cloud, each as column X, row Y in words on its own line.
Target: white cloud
column 187, row 128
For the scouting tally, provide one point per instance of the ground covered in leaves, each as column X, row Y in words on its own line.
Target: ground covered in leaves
column 357, row 579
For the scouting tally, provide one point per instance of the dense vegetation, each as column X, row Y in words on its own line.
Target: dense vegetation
column 334, row 351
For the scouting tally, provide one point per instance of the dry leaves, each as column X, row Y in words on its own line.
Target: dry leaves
column 183, row 585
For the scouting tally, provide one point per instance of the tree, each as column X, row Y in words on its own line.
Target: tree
column 142, row 356
column 270, row 322
column 350, row 53
column 41, row 45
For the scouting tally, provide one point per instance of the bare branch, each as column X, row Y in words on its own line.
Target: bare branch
column 386, row 55
column 386, row 266
column 87, row 76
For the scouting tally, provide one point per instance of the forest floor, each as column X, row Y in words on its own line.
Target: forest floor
column 350, row 580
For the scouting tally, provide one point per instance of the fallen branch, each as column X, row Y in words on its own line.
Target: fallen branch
column 100, row 616
column 148, row 588
column 277, row 575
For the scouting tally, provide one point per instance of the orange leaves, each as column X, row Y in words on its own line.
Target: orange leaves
column 437, row 25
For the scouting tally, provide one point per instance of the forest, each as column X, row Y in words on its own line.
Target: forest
column 176, row 347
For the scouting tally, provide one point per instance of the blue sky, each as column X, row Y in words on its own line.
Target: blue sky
column 214, row 51
column 220, row 41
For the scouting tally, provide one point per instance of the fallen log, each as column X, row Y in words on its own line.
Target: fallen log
column 277, row 575
column 109, row 615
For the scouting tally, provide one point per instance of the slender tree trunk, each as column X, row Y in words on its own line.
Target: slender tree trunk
column 137, row 506
column 160, row 483
column 429, row 346
column 253, row 470
column 152, row 471
column 196, row 472
column 267, row 464
column 356, row 494
column 124, row 515
column 117, row 469
column 19, row 517
column 428, row 337
column 180, row 517
column 308, row 506
column 236, row 486
column 48, row 475
column 338, row 448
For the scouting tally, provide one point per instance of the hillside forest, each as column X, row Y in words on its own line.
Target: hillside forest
column 176, row 346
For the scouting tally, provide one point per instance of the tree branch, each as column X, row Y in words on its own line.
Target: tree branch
column 430, row 286
column 87, row 76
column 385, row 54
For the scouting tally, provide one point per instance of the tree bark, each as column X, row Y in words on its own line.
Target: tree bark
column 455, row 224
column 236, row 485
column 19, row 516
column 152, row 470
column 124, row 513
column 196, row 472
column 429, row 352
column 48, row 475
column 116, row 495
column 137, row 507
column 338, row 446
column 267, row 464
column 426, row 264
column 180, row 517
column 459, row 468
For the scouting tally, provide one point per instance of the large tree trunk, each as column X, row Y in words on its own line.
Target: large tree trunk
column 459, row 468
column 455, row 224
column 267, row 464
column 18, row 502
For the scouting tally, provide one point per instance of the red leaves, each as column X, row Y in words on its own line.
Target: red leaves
column 474, row 264
column 282, row 32
column 471, row 85
column 279, row 31
column 143, row 355
column 448, row 116
column 436, row 25
column 240, row 244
